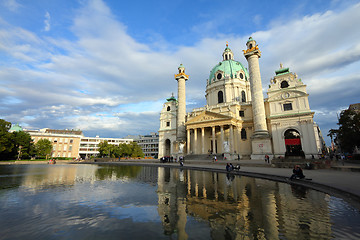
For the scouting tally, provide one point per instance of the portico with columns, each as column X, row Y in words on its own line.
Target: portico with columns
column 214, row 133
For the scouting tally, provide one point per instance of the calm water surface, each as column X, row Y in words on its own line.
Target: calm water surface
column 133, row 202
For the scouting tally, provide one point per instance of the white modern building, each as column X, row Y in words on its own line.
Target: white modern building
column 89, row 146
column 149, row 144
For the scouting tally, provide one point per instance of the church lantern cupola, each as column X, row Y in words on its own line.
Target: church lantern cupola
column 228, row 54
column 251, row 44
column 181, row 68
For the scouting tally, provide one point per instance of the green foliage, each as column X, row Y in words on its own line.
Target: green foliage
column 348, row 134
column 24, row 145
column 136, row 150
column 6, row 145
column 123, row 150
column 43, row 148
column 15, row 145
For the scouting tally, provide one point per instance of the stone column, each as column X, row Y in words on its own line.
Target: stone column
column 231, row 139
column 213, row 139
column 222, row 138
column 195, row 141
column 256, row 93
column 236, row 140
column 188, row 141
column 180, row 135
column 202, row 140
column 260, row 140
column 181, row 77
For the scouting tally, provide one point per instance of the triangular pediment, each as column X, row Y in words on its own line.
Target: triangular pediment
column 207, row 116
column 283, row 95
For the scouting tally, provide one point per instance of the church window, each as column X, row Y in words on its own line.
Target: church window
column 250, row 46
column 219, row 76
column 284, row 84
column 243, row 133
column 226, row 57
column 243, row 96
column 241, row 76
column 168, row 124
column 168, row 108
column 241, row 113
column 220, row 97
column 287, row 106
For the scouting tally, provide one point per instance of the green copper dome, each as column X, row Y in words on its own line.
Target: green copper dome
column 228, row 67
column 16, row 128
column 250, row 39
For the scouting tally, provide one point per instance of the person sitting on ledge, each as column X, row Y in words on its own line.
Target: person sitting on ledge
column 297, row 173
column 228, row 167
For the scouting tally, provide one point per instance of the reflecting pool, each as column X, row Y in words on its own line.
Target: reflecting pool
column 135, row 202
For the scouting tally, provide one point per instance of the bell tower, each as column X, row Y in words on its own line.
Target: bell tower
column 261, row 142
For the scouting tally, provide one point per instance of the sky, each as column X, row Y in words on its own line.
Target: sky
column 106, row 67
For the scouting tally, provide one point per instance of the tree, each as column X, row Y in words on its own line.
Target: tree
column 43, row 148
column 125, row 150
column 136, row 150
column 24, row 147
column 6, row 145
column 348, row 135
column 104, row 149
column 332, row 134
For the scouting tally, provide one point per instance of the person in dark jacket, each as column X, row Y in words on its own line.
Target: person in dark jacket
column 297, row 173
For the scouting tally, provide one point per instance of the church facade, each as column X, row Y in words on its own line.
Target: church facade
column 237, row 122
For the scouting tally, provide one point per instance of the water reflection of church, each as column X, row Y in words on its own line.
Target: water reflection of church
column 238, row 207
column 237, row 120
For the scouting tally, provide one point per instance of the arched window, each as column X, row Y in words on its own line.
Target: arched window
column 284, row 84
column 168, row 108
column 250, row 46
column 243, row 133
column 226, row 57
column 241, row 76
column 220, row 97
column 243, row 96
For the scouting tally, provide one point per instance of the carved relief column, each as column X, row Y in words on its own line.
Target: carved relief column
column 222, row 138
column 203, row 140
column 213, row 139
column 195, row 141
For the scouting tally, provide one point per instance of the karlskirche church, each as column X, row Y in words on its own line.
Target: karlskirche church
column 237, row 122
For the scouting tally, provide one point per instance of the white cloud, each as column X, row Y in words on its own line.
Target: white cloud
column 73, row 83
column 12, row 5
column 47, row 22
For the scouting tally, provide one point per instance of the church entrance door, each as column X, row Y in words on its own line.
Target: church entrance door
column 293, row 143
